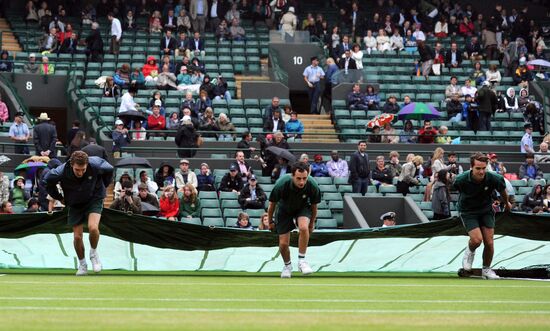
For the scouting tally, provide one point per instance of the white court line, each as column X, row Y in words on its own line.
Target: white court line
column 268, row 310
column 487, row 285
column 2, row 275
column 515, row 302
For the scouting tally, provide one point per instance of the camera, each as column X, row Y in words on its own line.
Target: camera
column 128, row 192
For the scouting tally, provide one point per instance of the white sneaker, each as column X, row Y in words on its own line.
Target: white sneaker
column 82, row 270
column 488, row 273
column 468, row 259
column 96, row 263
column 287, row 271
column 305, row 268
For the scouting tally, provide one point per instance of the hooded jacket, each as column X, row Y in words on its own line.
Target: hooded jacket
column 80, row 191
column 530, row 201
column 440, row 199
column 511, row 101
column 148, row 68
column 523, row 171
column 160, row 179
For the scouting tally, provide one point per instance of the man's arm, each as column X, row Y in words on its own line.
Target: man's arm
column 505, row 200
column 50, row 181
column 313, row 218
column 271, row 210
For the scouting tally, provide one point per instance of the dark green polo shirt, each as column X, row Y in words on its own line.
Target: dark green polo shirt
column 475, row 198
column 293, row 199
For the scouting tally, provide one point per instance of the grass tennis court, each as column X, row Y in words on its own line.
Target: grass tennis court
column 57, row 300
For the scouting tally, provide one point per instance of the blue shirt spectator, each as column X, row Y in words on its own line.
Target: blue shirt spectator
column 294, row 127
column 319, row 168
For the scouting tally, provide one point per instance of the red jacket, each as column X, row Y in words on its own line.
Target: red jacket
column 466, row 29
column 168, row 209
column 156, row 123
column 426, row 136
column 147, row 68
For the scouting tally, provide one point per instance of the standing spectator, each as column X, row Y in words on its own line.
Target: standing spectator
column 426, row 57
column 318, row 167
column 312, row 76
column 169, row 204
column 288, row 22
column 441, row 197
column 407, row 178
column 470, row 112
column 79, row 141
column 4, row 112
column 94, row 44
column 244, row 145
column 360, row 169
column 527, row 139
column 190, row 204
column 487, row 101
column 127, row 102
column 44, row 137
column 198, row 10
column 252, row 196
column 185, row 176
column 529, row 170
column 231, row 182
column 187, row 138
column 489, row 39
column 116, row 33
column 356, row 99
column 381, row 174
column 31, row 67
column 205, row 179
column 121, row 138
column 427, row 134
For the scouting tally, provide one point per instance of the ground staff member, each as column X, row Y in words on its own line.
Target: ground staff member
column 312, row 76
column 475, row 206
column 294, row 201
column 83, row 181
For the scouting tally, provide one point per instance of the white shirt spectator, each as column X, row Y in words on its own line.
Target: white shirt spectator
column 338, row 168
column 358, row 57
column 127, row 103
column 116, row 28
column 527, row 143
column 419, row 35
column 468, row 90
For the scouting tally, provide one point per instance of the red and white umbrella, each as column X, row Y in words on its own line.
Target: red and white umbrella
column 380, row 120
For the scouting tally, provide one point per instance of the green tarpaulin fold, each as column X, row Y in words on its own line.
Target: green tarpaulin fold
column 177, row 235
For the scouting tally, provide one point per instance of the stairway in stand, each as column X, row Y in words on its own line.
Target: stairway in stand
column 110, row 196
column 9, row 42
column 318, row 129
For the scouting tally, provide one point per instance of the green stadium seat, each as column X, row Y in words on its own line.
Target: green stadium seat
column 213, row 221
column 332, row 196
column 230, row 204
column 327, row 223
column 195, row 220
column 228, row 196
column 328, row 188
column 208, row 195
column 210, row 203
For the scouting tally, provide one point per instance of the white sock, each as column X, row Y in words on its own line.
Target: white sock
column 82, row 262
column 92, row 251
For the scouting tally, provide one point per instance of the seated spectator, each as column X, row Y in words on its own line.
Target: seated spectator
column 137, row 80
column 529, row 170
column 185, row 176
column 31, row 67
column 129, row 22
column 493, row 75
column 318, row 167
column 410, row 42
column 294, row 127
column 441, row 29
column 394, row 165
column 172, row 122
column 454, row 109
column 139, row 132
column 69, row 45
column 222, row 31
column 220, row 90
column 205, row 179
column 371, row 98
column 46, row 68
column 126, row 201
column 190, row 204
column 182, row 46
column 165, row 176
column 243, row 221
column 183, row 21
column 265, row 224
column 207, row 86
column 391, row 106
column 383, row 41
column 49, row 42
column 418, row 34
column 156, row 121
column 224, row 125
column 466, row 27
column 397, row 41
column 470, row 112
column 468, row 88
column 408, row 135
column 188, row 102
column 4, row 112
column 374, row 136
column 110, row 89
column 523, row 100
column 18, row 195
column 125, row 177
column 389, row 135
column 495, row 165
column 187, row 112
column 453, row 58
column 149, row 184
column 406, row 101
column 408, row 178
column 274, row 123
column 244, row 145
column 452, row 89
column 522, row 76
column 168, row 44
column 236, row 32
column 441, row 196
column 6, row 208
column 511, row 101
column 381, row 174
column 231, row 182
column 427, row 134
column 280, row 169
column 121, row 138
column 166, row 79
column 543, row 156
column 155, row 24
column 356, row 100
column 336, row 166
column 546, row 196
column 169, row 204
column 269, row 109
column 150, row 70
column 478, row 75
column 203, row 103
column 357, row 56
column 122, row 75
column 252, row 196
column 196, row 45
column 533, row 199
column 208, row 123
column 370, row 42
column 442, row 137
column 6, row 64
column 33, row 206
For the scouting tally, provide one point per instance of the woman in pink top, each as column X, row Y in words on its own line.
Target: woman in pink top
column 4, row 112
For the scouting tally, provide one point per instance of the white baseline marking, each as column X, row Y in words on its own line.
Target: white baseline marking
column 2, row 275
column 268, row 310
column 515, row 302
column 495, row 284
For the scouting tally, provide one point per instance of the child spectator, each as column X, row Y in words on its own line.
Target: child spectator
column 190, row 204
column 169, row 204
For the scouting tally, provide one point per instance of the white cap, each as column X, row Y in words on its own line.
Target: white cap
column 158, row 103
column 486, row 83
column 291, row 9
column 32, row 55
column 119, row 122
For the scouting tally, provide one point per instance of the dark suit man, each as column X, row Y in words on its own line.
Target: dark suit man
column 341, row 48
column 274, row 123
column 196, row 45
column 168, row 44
column 347, row 63
column 243, row 168
column 69, row 45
